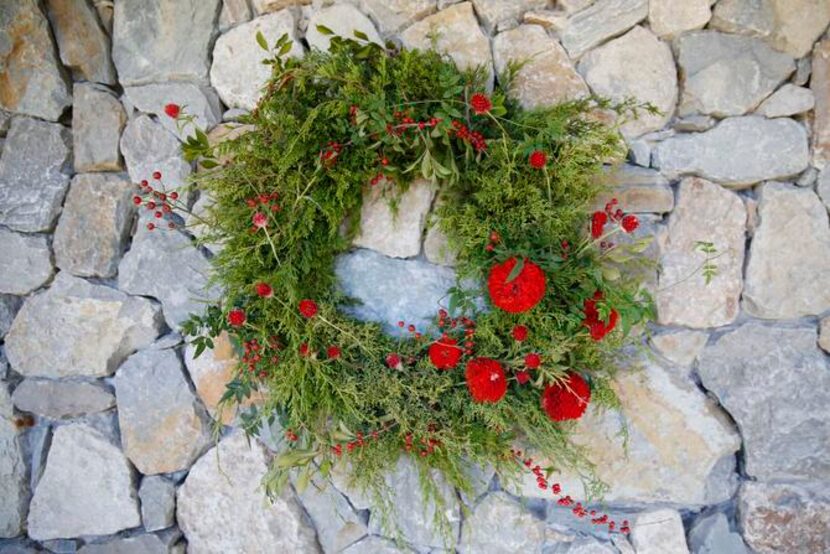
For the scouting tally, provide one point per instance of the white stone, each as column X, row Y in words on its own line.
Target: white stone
column 343, row 20
column 501, row 525
column 97, row 121
column 786, row 101
column 680, row 347
column 601, row 20
column 669, row 18
column 437, row 248
column 201, row 102
column 14, row 489
column 148, row 147
column 27, row 262
column 233, row 13
column 659, row 532
column 393, row 15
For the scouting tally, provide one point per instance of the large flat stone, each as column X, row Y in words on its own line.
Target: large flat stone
column 336, row 522
column 14, row 488
column 518, row 529
column 711, row 535
column 343, row 20
column 141, row 544
column 659, row 532
column 786, row 101
column 600, row 21
column 97, row 121
column 33, row 174
column 147, row 147
column 820, row 85
column 668, row 18
column 638, row 190
column 79, row 329
column 84, row 45
column 28, row 262
column 393, row 15
column 61, row 399
column 198, row 101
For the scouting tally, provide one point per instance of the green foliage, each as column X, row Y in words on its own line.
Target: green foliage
column 327, row 126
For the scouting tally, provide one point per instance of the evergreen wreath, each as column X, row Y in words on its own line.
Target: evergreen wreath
column 505, row 367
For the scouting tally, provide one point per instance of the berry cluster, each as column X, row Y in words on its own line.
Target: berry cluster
column 597, row 327
column 493, row 240
column 628, row 222
column 328, row 156
column 255, row 354
column 427, row 444
column 407, row 122
column 359, row 442
column 268, row 201
column 475, row 138
column 154, row 199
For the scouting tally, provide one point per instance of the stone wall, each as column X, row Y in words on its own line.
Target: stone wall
column 105, row 441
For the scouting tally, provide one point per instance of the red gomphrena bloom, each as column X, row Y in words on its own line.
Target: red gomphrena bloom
column 519, row 333
column 630, row 223
column 568, row 400
column 172, row 110
column 236, row 317
column 485, row 380
column 444, row 353
column 595, row 325
column 533, row 360
column 264, row 290
column 538, row 159
column 304, row 349
column 259, row 220
column 308, row 308
column 522, row 377
column 393, row 361
column 333, row 352
column 480, row 103
column 598, row 221
column 520, row 294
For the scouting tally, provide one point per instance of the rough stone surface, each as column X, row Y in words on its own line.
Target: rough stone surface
column 337, row 524
column 84, row 45
column 14, row 490
column 158, row 502
column 786, row 101
column 373, row 545
column 760, row 149
column 165, row 265
column 61, row 399
column 33, row 174
column 9, row 305
column 727, row 75
column 495, row 12
column 199, row 101
column 659, row 532
column 147, row 147
column 457, row 33
column 237, row 73
column 669, row 18
column 601, row 20
column 788, row 274
column 436, row 247
column 31, row 80
column 227, row 480
column 518, row 529
column 820, row 85
column 233, row 13
column 32, row 265
column 824, row 334
column 704, row 212
column 393, row 15
column 343, row 20
column 87, row 488
column 76, row 328
column 547, row 77
column 756, row 372
column 95, row 225
column 711, row 535
column 147, row 43
column 97, row 121
column 142, row 544
column 680, row 347
column 376, row 281
column 266, row 6
column 163, row 426
column 638, row 190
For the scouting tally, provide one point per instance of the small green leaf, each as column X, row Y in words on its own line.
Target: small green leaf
column 260, row 39
column 285, row 49
column 517, row 269
column 209, row 164
column 361, row 35
column 323, row 30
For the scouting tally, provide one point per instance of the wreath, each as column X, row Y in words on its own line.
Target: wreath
column 519, row 349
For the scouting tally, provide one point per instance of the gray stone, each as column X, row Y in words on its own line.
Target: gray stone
column 808, row 178
column 756, row 372
column 87, row 488
column 393, row 15
column 198, row 101
column 233, row 13
column 164, row 264
column 18, row 546
column 228, row 480
column 744, row 17
column 788, row 274
column 343, row 20
column 727, row 75
column 820, row 85
column 147, row 43
column 547, row 77
column 786, row 101
column 31, row 80
column 374, row 545
column 147, row 147
column 659, row 532
column 79, row 329
column 760, row 149
column 777, row 518
column 97, row 121
column 695, row 122
column 61, row 399
column 142, row 544
column 571, row 6
column 803, row 69
column 93, row 230
column 163, row 426
column 824, row 334
column 28, row 262
column 669, row 18
column 600, row 21
column 9, row 305
column 33, row 174
column 158, row 502
column 710, row 213
column 638, row 190
column 337, row 524
column 84, row 45
column 396, row 233
column 680, row 347
column 376, row 281
column 711, row 535
column 495, row 12
column 639, row 152
column 518, row 529
column 61, row 546
column 14, row 490
column 238, row 73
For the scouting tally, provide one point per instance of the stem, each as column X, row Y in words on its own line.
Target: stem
column 273, row 248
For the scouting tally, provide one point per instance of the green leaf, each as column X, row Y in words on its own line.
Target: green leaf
column 208, row 163
column 260, row 39
column 285, row 49
column 323, row 30
column 301, row 484
column 361, row 35
column 517, row 269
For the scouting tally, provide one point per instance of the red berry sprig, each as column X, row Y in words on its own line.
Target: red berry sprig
column 156, row 200
column 475, row 138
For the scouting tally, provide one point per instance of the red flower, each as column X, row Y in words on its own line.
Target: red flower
column 520, row 294
column 485, row 379
column 538, row 159
column 264, row 290
column 393, row 360
column 308, row 308
column 595, row 325
column 520, row 332
column 533, row 360
column 522, row 377
column 568, row 400
column 598, row 221
column 444, row 354
column 172, row 110
column 630, row 223
column 236, row 317
column 304, row 349
column 259, row 220
column 480, row 103
column 333, row 352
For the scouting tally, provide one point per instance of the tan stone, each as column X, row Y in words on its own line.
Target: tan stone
column 267, row 6
column 638, row 190
column 393, row 15
column 680, row 347
column 820, row 85
column 84, row 46
column 669, row 18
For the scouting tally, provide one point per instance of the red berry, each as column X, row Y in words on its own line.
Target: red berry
column 151, row 226
column 137, row 200
column 174, row 195
column 158, row 215
column 157, row 175
column 172, row 110
column 522, row 377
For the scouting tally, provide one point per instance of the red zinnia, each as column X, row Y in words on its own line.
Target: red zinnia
column 538, row 159
column 333, row 352
column 259, row 220
column 533, row 360
column 480, row 103
column 520, row 332
column 485, row 379
column 595, row 325
column 308, row 308
column 236, row 317
column 567, row 400
column 444, row 354
column 520, row 294
column 522, row 377
column 630, row 223
column 172, row 110
column 263, row 290
column 598, row 221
